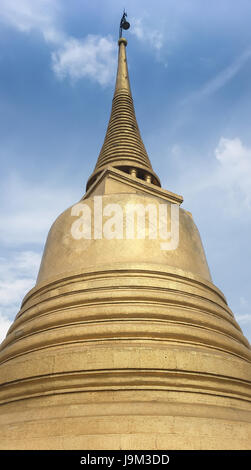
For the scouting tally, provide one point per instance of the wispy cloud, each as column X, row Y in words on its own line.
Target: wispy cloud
column 143, row 32
column 220, row 80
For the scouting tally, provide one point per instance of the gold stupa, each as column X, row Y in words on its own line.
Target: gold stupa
column 121, row 344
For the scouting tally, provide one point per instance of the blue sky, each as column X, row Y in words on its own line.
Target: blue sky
column 190, row 68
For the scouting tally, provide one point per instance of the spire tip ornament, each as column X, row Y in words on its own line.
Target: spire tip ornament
column 123, row 24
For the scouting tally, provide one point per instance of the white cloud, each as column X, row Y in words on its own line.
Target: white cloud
column 93, row 57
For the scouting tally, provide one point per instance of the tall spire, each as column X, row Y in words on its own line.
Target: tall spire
column 123, row 147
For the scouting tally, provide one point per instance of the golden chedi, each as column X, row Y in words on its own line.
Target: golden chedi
column 124, row 344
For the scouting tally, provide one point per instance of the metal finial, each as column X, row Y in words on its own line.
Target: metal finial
column 123, row 24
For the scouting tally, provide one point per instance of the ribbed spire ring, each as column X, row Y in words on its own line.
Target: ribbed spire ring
column 123, row 147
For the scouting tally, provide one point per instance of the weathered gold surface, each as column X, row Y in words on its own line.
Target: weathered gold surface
column 121, row 345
